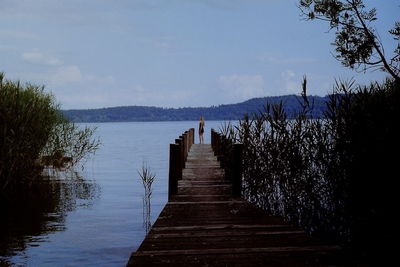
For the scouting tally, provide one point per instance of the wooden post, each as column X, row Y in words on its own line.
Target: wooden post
column 179, row 158
column 189, row 139
column 185, row 145
column 193, row 133
column 228, row 152
column 217, row 144
column 221, row 160
column 223, row 145
column 174, row 164
column 213, row 139
column 225, row 164
column 237, row 169
column 178, row 153
column 182, row 148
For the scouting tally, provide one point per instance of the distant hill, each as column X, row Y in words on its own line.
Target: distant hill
column 221, row 112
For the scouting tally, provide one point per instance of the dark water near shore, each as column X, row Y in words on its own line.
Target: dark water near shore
column 94, row 216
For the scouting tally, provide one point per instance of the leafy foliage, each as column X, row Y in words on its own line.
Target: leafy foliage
column 357, row 43
column 27, row 117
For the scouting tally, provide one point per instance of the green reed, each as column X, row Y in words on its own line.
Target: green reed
column 330, row 175
column 147, row 179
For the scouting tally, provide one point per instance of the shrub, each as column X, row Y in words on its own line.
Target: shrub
column 27, row 117
column 68, row 144
column 34, row 133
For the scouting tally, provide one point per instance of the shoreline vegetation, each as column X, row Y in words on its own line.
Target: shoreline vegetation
column 34, row 134
column 39, row 153
column 333, row 176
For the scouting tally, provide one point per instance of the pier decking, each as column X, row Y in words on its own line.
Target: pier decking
column 203, row 225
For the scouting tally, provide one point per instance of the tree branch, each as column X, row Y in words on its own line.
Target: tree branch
column 377, row 48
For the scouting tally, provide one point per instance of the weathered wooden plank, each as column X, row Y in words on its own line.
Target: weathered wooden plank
column 207, row 242
column 205, row 191
column 207, row 186
column 220, row 226
column 207, row 202
column 202, row 182
column 236, row 250
column 284, row 259
column 223, row 233
column 201, row 197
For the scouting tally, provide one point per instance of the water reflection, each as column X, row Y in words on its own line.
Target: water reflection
column 31, row 212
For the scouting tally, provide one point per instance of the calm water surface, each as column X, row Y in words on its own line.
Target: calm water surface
column 96, row 218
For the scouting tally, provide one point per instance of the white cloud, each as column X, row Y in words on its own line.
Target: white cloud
column 39, row 58
column 6, row 48
column 136, row 94
column 18, row 35
column 56, row 73
column 278, row 60
column 66, row 74
column 291, row 82
column 140, row 95
column 158, row 42
column 109, row 79
column 242, row 87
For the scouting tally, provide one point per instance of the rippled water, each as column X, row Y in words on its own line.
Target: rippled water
column 94, row 216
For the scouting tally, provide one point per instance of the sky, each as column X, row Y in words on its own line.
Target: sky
column 173, row 53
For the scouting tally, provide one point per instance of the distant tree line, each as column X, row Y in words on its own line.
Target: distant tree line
column 292, row 104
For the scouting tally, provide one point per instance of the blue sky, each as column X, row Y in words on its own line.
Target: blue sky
column 172, row 53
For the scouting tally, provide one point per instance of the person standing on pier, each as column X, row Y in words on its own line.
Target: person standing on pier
column 201, row 130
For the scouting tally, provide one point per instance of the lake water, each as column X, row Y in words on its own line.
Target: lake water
column 97, row 218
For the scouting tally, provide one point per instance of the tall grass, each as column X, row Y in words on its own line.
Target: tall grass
column 147, row 179
column 27, row 117
column 34, row 133
column 332, row 175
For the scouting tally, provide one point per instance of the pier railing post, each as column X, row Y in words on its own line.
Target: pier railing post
column 182, row 151
column 213, row 139
column 237, row 169
column 229, row 155
column 179, row 156
column 174, row 168
column 191, row 131
column 217, row 144
column 185, row 145
column 224, row 154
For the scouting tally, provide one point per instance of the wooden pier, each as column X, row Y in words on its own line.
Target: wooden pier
column 204, row 224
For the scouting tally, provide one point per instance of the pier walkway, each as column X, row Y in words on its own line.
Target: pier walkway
column 203, row 225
